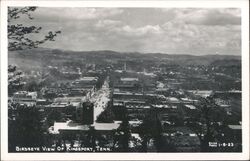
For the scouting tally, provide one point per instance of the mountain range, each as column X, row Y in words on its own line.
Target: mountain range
column 46, row 56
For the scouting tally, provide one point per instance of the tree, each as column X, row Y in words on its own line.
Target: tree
column 32, row 85
column 18, row 34
column 122, row 135
column 54, row 116
column 157, row 135
column 151, row 129
column 205, row 131
column 15, row 82
column 208, row 109
column 25, row 127
column 25, row 123
column 18, row 39
column 107, row 116
column 125, row 133
column 92, row 137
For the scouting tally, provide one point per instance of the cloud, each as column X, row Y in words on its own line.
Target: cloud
column 208, row 16
column 185, row 30
column 107, row 24
column 147, row 30
column 76, row 13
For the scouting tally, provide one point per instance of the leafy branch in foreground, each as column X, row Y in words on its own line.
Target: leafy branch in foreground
column 18, row 34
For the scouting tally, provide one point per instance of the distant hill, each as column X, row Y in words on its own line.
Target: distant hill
column 44, row 56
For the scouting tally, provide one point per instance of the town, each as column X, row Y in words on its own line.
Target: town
column 124, row 102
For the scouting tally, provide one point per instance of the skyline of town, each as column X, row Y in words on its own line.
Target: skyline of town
column 109, row 102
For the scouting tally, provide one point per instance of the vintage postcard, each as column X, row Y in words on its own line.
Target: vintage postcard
column 123, row 80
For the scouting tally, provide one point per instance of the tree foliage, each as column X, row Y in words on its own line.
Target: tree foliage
column 107, row 116
column 208, row 113
column 15, row 81
column 54, row 116
column 122, row 134
column 19, row 35
column 151, row 129
column 25, row 127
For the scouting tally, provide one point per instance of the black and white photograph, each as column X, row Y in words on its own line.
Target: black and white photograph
column 124, row 80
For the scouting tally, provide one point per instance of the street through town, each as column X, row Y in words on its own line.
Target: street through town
column 101, row 99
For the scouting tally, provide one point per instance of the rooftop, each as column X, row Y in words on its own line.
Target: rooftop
column 68, row 99
column 126, row 93
column 88, row 78
column 188, row 99
column 129, row 79
column 64, row 104
column 235, row 127
column 33, row 94
column 106, row 126
column 69, row 125
column 172, row 99
column 202, row 93
column 190, row 107
column 164, row 106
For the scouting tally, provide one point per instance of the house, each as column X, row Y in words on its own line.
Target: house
column 26, row 98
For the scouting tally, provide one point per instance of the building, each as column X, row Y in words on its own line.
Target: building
column 133, row 103
column 71, row 126
column 26, row 98
column 96, row 135
column 201, row 93
column 67, row 127
column 84, row 86
column 67, row 109
column 78, row 92
column 128, row 96
column 128, row 84
column 85, row 82
column 106, row 126
column 85, row 113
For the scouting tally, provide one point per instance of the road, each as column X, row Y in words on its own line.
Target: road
column 101, row 99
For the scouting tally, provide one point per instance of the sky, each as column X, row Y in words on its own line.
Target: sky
column 196, row 31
